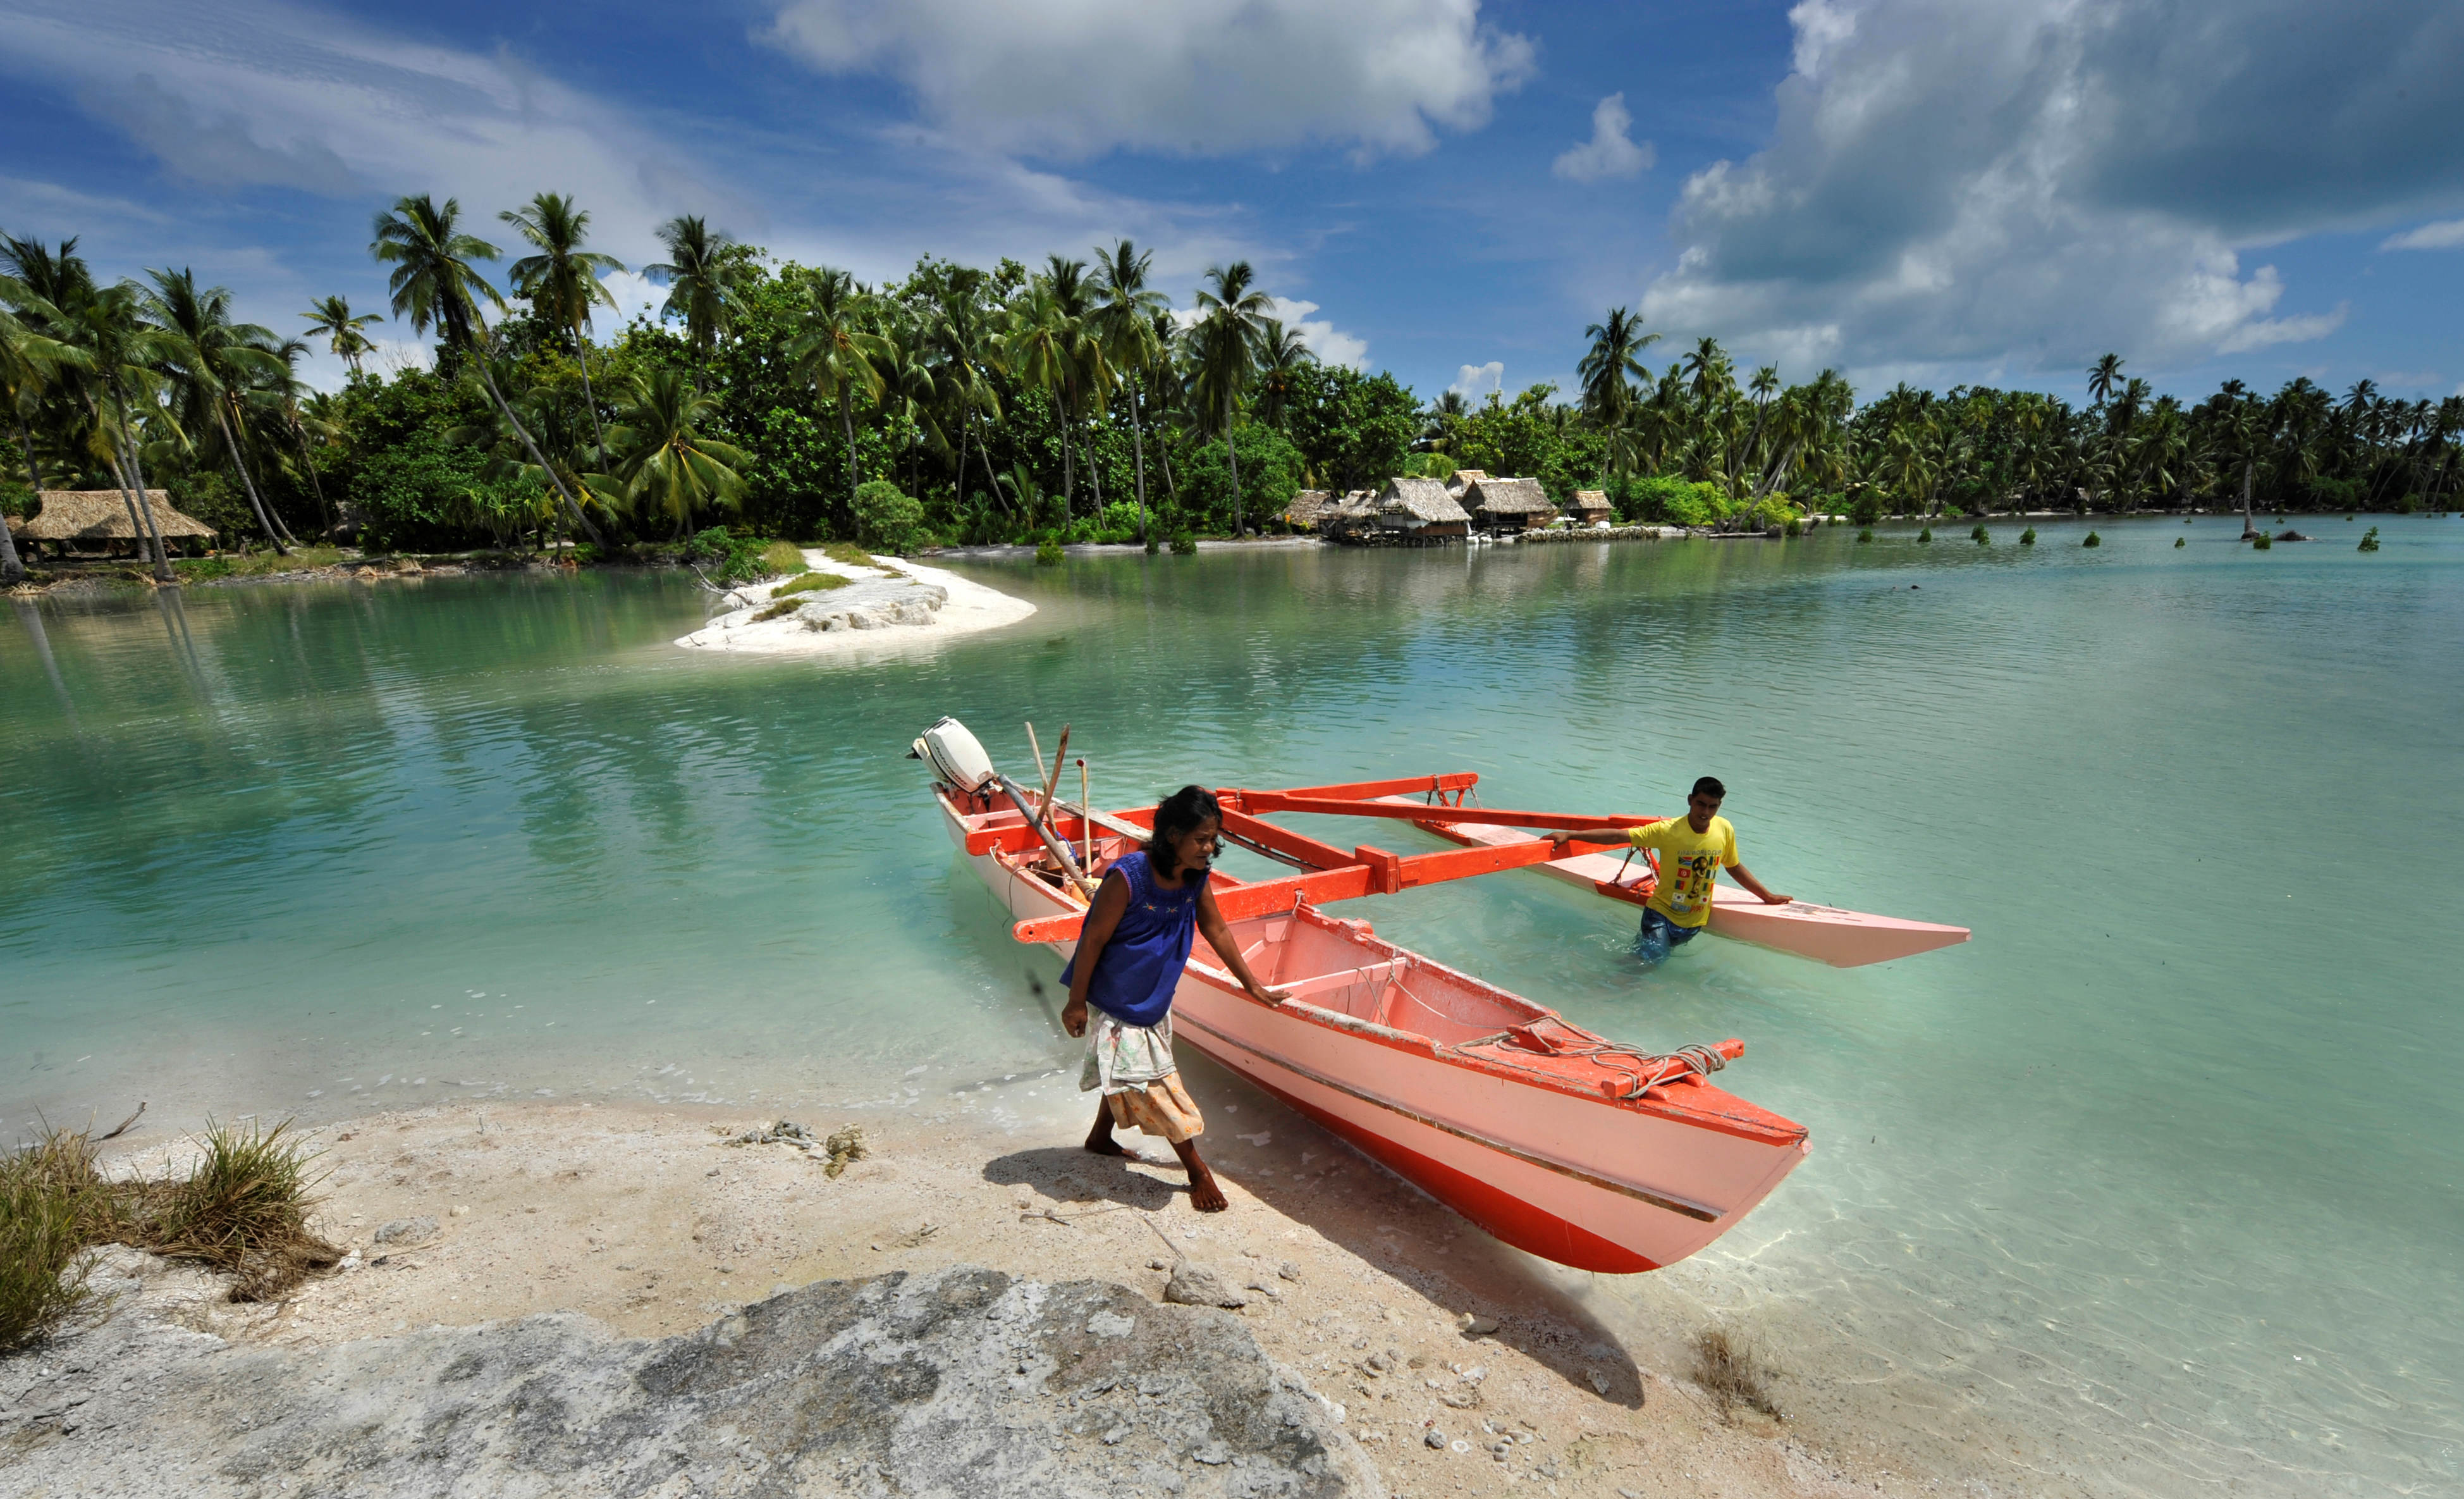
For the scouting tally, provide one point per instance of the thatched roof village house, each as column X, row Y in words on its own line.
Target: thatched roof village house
column 1420, row 508
column 98, row 517
column 1507, row 505
column 1307, row 506
column 1463, row 479
column 1592, row 507
column 1354, row 513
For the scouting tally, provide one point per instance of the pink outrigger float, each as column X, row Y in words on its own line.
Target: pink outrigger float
column 1557, row 1140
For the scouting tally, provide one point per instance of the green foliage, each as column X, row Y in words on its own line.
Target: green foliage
column 2178, row 542
column 1866, row 508
column 2028, row 538
column 2093, row 540
column 1270, row 475
column 1981, row 537
column 2262, row 542
column 1924, row 537
column 1352, row 429
column 2369, row 540
column 1183, row 545
column 729, row 556
column 1525, row 438
column 1796, row 527
column 1864, row 532
column 886, row 519
column 784, row 558
column 1665, row 499
column 1047, row 553
column 400, row 465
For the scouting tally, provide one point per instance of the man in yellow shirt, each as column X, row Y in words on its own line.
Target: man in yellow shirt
column 1693, row 850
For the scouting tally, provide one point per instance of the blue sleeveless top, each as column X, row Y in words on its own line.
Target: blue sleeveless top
column 1141, row 965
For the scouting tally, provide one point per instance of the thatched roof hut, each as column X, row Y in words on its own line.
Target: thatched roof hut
column 1416, row 505
column 1463, row 479
column 1507, row 505
column 1307, row 508
column 1591, row 504
column 73, row 516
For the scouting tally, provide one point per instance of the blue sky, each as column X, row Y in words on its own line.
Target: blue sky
column 1901, row 188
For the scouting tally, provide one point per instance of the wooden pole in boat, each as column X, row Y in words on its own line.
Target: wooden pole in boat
column 1035, row 749
column 1054, row 780
column 1086, row 824
column 1052, row 846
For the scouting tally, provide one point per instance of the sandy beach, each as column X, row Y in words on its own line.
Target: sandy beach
column 650, row 1222
column 966, row 607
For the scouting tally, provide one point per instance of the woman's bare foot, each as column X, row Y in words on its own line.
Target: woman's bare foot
column 1099, row 1140
column 1204, row 1194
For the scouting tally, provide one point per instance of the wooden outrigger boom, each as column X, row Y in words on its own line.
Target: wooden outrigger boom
column 1557, row 1140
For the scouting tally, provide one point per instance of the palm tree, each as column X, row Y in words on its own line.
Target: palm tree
column 29, row 362
column 562, row 281
column 910, row 397
column 1615, row 346
column 330, row 316
column 1225, row 342
column 958, row 335
column 214, row 359
column 701, row 276
column 2104, row 377
column 665, row 463
column 1126, row 315
column 1047, row 347
column 287, row 391
column 1281, row 354
column 434, row 285
column 837, row 350
column 118, row 351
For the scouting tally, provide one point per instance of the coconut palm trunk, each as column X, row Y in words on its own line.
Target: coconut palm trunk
column 1138, row 447
column 231, row 439
column 300, row 440
column 26, row 446
column 581, row 359
column 140, row 506
column 2249, row 471
column 847, row 421
column 1234, row 454
column 554, row 479
column 12, row 570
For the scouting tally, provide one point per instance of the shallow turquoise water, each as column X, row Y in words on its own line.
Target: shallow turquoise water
column 2159, row 1177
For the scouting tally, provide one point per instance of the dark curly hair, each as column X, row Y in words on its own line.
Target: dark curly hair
column 1180, row 812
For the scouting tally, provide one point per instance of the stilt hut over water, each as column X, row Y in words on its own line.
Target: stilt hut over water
column 1507, row 505
column 81, row 520
column 1420, row 509
column 1592, row 507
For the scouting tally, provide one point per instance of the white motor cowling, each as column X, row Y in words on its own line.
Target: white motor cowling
column 957, row 758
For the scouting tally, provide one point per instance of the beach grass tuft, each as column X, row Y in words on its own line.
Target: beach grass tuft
column 1734, row 1372
column 849, row 553
column 243, row 1211
column 809, row 582
column 51, row 1201
column 254, row 563
column 783, row 556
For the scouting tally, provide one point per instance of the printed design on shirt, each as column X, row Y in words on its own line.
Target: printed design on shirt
column 1690, row 877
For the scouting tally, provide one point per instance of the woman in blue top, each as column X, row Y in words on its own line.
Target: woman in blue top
column 1131, row 950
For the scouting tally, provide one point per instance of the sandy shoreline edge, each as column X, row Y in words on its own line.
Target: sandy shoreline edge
column 969, row 608
column 646, row 1219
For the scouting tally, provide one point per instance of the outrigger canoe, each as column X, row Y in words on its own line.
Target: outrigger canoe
column 1557, row 1140
column 1826, row 934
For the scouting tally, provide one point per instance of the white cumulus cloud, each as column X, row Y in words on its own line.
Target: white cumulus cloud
column 2037, row 181
column 1475, row 381
column 1331, row 345
column 1610, row 152
column 2447, row 235
column 1197, row 77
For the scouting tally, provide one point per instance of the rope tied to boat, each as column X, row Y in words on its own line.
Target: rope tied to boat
column 1644, row 1071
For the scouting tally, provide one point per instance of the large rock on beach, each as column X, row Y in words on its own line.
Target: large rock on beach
column 962, row 1381
column 874, row 605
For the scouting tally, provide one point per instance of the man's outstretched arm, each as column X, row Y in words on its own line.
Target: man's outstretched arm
column 1746, row 877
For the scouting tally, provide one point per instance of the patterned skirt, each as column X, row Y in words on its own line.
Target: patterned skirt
column 1140, row 1082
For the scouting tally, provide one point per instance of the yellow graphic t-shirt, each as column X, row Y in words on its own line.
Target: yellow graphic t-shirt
column 1690, row 863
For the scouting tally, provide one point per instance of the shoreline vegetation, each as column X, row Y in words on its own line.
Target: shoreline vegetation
column 1423, row 1350
column 1062, row 404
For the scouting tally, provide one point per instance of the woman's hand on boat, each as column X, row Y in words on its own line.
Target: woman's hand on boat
column 1266, row 996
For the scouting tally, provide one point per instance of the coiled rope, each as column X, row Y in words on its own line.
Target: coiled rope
column 1643, row 1070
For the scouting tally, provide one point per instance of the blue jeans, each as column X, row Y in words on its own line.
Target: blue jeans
column 1659, row 937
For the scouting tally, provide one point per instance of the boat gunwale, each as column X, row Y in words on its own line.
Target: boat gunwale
column 1653, row 1102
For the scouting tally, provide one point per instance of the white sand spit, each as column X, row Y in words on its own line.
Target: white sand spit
column 963, row 607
